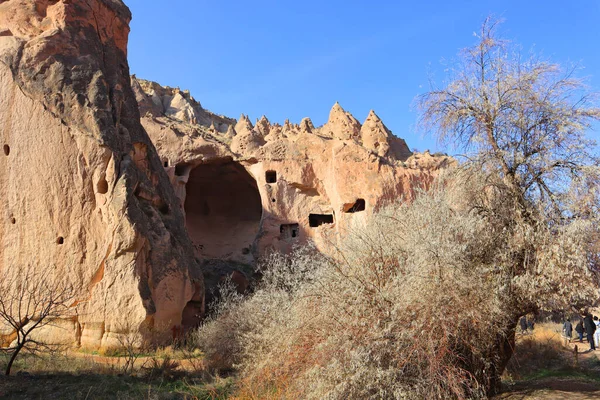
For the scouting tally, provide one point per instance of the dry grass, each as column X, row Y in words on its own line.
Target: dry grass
column 543, row 350
column 87, row 376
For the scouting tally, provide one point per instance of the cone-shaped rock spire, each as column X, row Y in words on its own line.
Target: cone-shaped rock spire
column 243, row 124
column 341, row 124
column 378, row 138
column 263, row 126
column 306, row 126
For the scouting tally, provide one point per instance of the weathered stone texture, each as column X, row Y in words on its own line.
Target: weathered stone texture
column 334, row 176
column 84, row 195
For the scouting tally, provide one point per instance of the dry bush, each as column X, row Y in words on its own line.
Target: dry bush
column 163, row 368
column 412, row 305
column 131, row 346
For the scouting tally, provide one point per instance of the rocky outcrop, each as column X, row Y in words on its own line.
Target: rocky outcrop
column 273, row 187
column 377, row 137
column 341, row 125
column 84, row 194
column 155, row 100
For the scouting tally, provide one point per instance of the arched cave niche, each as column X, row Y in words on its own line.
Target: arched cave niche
column 223, row 210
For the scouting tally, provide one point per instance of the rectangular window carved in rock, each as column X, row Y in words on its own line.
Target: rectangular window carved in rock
column 271, row 176
column 315, row 220
column 289, row 231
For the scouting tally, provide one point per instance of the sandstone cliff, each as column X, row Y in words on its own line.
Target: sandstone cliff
column 84, row 195
column 247, row 189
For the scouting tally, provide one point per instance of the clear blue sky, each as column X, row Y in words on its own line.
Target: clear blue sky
column 292, row 59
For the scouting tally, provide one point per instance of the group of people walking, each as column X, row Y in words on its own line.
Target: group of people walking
column 526, row 324
column 587, row 326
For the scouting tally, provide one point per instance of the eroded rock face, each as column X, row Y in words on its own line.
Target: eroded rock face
column 84, row 194
column 313, row 183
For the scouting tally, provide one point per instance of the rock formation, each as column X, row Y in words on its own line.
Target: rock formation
column 84, row 194
column 131, row 214
column 272, row 187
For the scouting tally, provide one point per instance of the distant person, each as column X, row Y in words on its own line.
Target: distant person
column 568, row 330
column 579, row 330
column 530, row 324
column 590, row 328
column 597, row 333
column 523, row 323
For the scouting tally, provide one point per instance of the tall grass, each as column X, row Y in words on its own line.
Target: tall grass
column 544, row 349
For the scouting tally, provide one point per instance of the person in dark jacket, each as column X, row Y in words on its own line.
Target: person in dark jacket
column 579, row 330
column 523, row 323
column 568, row 330
column 590, row 328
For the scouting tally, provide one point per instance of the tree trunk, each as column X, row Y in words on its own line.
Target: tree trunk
column 503, row 352
column 12, row 358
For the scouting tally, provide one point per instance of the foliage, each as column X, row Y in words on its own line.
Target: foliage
column 422, row 302
column 164, row 368
column 523, row 123
column 523, row 120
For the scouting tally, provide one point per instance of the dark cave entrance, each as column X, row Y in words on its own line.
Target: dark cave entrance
column 358, row 206
column 316, row 220
column 223, row 210
column 271, row 176
column 289, row 231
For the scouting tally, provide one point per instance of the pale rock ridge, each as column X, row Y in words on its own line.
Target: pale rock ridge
column 247, row 139
column 289, row 129
column 243, row 125
column 175, row 103
column 180, row 113
column 84, row 195
column 274, row 187
column 230, row 132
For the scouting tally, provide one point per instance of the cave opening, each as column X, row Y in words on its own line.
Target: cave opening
column 223, row 210
column 357, row 206
column 315, row 220
column 271, row 176
column 102, row 186
column 289, row 231
column 181, row 169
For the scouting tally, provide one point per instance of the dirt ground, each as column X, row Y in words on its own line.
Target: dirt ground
column 553, row 389
column 583, row 385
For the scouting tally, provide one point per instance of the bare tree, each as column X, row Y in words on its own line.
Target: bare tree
column 523, row 119
column 29, row 301
column 523, row 122
column 131, row 342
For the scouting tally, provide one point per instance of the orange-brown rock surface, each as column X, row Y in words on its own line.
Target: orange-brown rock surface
column 83, row 191
column 249, row 188
column 131, row 213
